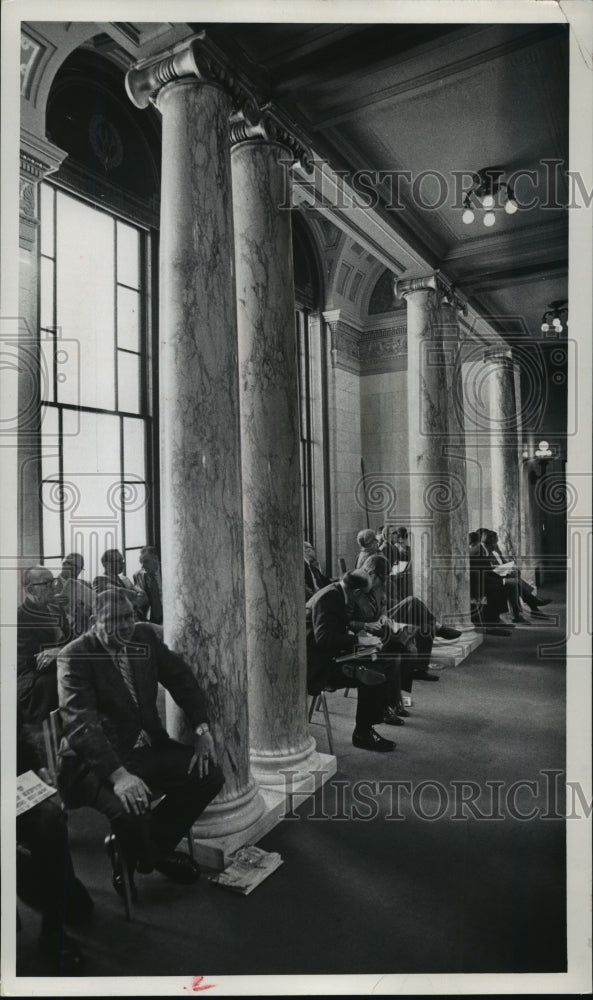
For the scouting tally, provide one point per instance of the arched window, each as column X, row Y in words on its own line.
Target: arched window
column 99, row 484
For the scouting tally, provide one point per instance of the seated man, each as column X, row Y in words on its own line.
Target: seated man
column 367, row 544
column 314, row 578
column 148, row 580
column 516, row 586
column 328, row 636
column 42, row 628
column 77, row 594
column 114, row 565
column 115, row 752
column 413, row 612
column 45, row 878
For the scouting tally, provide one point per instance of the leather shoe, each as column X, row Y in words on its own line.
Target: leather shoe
column 179, row 867
column 424, row 675
column 446, row 632
column 62, row 953
column 403, row 712
column 542, row 601
column 372, row 741
column 364, row 675
column 117, row 878
column 391, row 717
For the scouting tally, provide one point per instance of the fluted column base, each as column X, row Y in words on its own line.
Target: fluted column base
column 451, row 654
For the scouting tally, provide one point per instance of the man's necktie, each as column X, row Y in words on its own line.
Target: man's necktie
column 125, row 670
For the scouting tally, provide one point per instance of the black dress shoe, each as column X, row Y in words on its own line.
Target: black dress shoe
column 372, row 741
column 445, row 632
column 391, row 718
column 364, row 675
column 117, row 878
column 540, row 602
column 179, row 867
column 424, row 675
column 62, row 953
column 403, row 712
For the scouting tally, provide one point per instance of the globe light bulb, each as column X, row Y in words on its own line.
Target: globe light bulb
column 511, row 207
column 489, row 219
column 545, row 327
column 488, row 201
column 468, row 217
column 557, row 323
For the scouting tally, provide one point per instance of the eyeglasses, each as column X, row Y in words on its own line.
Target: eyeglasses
column 45, row 583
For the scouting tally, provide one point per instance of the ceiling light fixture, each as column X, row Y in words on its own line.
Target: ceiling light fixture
column 555, row 317
column 483, row 193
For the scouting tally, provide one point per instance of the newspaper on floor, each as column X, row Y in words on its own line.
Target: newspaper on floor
column 30, row 791
column 249, row 866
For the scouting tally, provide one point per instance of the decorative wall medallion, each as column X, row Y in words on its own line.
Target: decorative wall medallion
column 27, row 199
column 29, row 52
column 105, row 142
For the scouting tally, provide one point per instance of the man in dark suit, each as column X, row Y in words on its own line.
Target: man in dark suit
column 115, row 753
column 114, row 565
column 148, row 580
column 314, row 578
column 328, row 635
column 42, row 628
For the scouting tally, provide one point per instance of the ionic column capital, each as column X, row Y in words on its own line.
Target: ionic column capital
column 442, row 291
column 197, row 59
column 270, row 126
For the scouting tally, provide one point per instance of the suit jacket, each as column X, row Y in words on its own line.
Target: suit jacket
column 327, row 617
column 148, row 584
column 101, row 722
column 37, row 629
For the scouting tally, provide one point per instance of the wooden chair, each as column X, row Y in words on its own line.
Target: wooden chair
column 52, row 734
column 319, row 702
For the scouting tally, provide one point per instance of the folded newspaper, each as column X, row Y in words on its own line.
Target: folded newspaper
column 30, row 790
column 249, row 866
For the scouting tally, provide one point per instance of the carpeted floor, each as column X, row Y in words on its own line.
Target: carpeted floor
column 381, row 877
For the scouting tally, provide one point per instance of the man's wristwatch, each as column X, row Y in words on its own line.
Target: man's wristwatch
column 203, row 728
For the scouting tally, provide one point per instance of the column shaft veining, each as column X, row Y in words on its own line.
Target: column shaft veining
column 203, row 597
column 437, row 466
column 276, row 642
column 504, row 452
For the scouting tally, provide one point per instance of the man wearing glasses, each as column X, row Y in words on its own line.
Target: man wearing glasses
column 42, row 630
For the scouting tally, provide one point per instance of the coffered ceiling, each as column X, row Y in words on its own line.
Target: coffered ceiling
column 434, row 100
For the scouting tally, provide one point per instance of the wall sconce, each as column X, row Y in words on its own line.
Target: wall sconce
column 484, row 190
column 543, row 450
column 554, row 315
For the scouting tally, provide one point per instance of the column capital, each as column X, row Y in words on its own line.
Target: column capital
column 271, row 126
column 198, row 59
column 433, row 281
column 38, row 159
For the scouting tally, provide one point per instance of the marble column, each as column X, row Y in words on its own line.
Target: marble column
column 437, row 466
column 202, row 530
column 504, row 450
column 276, row 640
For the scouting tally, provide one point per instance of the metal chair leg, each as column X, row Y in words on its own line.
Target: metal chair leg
column 126, row 878
column 190, row 845
column 328, row 725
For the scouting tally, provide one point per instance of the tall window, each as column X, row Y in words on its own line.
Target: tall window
column 95, row 393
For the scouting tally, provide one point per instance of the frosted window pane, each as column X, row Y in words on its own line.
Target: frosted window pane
column 128, row 385
column 46, row 367
column 91, row 443
column 50, row 503
column 135, row 513
column 85, row 302
column 128, row 319
column 46, row 303
column 134, row 460
column 50, row 466
column 128, row 255
column 46, row 221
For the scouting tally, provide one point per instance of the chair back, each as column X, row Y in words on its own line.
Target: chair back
column 52, row 734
